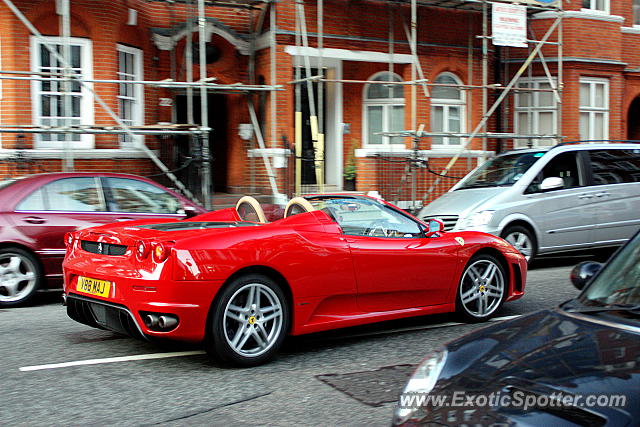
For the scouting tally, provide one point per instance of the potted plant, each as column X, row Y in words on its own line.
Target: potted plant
column 350, row 173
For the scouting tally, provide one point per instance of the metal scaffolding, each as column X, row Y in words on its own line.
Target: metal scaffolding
column 204, row 84
column 268, row 9
column 415, row 160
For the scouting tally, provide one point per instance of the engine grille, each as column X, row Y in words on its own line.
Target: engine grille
column 102, row 315
column 448, row 220
column 103, row 248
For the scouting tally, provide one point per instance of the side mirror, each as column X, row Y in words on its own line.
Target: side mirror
column 551, row 183
column 583, row 272
column 434, row 226
column 190, row 211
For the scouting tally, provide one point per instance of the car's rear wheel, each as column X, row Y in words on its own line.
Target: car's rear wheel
column 248, row 322
column 20, row 276
column 523, row 240
column 482, row 288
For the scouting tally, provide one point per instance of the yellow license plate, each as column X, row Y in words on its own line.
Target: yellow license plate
column 91, row 286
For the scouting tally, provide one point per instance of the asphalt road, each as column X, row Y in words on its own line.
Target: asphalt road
column 347, row 377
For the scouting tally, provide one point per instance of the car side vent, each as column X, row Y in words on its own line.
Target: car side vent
column 103, row 248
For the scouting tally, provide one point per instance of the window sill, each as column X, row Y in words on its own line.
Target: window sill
column 442, row 152
column 581, row 14
column 58, row 153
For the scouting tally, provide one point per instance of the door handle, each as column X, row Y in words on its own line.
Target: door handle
column 124, row 219
column 34, row 220
column 602, row 194
column 585, row 196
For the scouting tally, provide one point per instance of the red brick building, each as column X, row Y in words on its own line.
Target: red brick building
column 594, row 53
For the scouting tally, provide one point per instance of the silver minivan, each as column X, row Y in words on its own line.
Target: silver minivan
column 566, row 197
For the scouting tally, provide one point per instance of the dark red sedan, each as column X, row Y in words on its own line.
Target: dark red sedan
column 36, row 212
column 241, row 285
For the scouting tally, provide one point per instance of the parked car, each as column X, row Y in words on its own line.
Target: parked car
column 566, row 197
column 36, row 212
column 576, row 364
column 240, row 285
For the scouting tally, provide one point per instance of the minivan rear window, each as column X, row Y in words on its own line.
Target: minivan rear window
column 502, row 170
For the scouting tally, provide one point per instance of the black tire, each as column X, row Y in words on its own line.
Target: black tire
column 473, row 291
column 222, row 329
column 514, row 232
column 20, row 276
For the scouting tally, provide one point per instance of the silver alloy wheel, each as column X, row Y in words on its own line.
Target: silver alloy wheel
column 253, row 320
column 17, row 277
column 482, row 288
column 521, row 242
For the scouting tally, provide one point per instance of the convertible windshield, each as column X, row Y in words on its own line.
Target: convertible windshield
column 365, row 217
column 619, row 281
column 502, row 170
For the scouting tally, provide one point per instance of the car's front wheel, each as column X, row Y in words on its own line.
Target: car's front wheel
column 248, row 321
column 523, row 240
column 20, row 276
column 482, row 288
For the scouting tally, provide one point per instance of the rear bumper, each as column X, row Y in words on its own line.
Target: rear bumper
column 130, row 300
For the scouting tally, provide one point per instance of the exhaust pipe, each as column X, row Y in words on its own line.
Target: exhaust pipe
column 167, row 322
column 151, row 321
column 64, row 299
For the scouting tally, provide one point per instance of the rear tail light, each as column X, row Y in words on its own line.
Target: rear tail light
column 68, row 239
column 160, row 252
column 142, row 249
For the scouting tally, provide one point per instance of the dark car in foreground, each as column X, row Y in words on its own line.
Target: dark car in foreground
column 36, row 212
column 578, row 364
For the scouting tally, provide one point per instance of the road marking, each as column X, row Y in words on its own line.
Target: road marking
column 200, row 352
column 425, row 327
column 112, row 360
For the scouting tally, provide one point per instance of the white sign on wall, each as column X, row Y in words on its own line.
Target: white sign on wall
column 509, row 25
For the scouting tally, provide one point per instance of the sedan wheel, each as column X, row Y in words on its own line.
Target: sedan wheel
column 19, row 276
column 482, row 288
column 249, row 322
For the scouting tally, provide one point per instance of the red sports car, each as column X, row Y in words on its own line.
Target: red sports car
column 240, row 285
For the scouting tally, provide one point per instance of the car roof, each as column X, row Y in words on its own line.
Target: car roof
column 81, row 174
column 576, row 147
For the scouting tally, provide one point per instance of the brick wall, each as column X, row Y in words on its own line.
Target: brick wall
column 445, row 37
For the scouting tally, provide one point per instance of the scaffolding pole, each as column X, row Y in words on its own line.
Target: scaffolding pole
column 204, row 107
column 67, row 108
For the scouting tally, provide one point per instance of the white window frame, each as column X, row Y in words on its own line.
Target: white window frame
column 533, row 111
column 447, row 104
column 387, row 104
column 593, row 110
column 593, row 7
column 86, row 103
column 137, row 118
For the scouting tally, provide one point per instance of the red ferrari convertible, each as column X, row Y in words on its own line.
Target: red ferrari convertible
column 240, row 285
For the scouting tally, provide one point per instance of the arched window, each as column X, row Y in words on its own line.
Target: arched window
column 447, row 109
column 383, row 110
